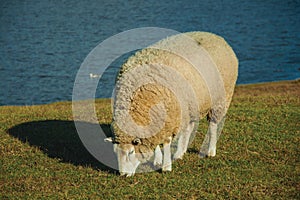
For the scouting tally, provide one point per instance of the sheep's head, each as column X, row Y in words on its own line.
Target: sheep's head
column 143, row 117
column 128, row 158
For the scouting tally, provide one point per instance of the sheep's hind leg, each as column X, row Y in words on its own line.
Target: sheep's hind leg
column 208, row 148
column 213, row 127
column 183, row 141
column 167, row 161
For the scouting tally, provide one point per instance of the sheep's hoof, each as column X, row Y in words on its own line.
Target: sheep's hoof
column 210, row 153
column 202, row 155
column 157, row 163
column 126, row 174
column 167, row 168
column 177, row 156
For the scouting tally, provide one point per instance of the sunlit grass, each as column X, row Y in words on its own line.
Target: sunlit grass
column 257, row 156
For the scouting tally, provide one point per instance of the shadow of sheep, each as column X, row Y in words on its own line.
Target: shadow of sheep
column 59, row 139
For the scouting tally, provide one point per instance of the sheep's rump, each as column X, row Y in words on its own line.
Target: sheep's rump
column 160, row 90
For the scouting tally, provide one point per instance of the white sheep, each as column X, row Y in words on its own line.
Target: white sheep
column 162, row 92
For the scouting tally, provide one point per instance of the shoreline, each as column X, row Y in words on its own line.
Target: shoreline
column 272, row 83
column 269, row 82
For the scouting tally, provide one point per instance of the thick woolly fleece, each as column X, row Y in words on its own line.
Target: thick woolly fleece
column 149, row 104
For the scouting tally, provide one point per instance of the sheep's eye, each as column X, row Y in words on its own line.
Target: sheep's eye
column 130, row 152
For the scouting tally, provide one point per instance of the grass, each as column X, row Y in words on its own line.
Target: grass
column 257, row 157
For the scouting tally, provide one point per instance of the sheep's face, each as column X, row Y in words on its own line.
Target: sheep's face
column 127, row 159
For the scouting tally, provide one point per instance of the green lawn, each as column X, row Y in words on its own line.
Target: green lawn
column 258, row 155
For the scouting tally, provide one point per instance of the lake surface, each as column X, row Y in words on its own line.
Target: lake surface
column 43, row 43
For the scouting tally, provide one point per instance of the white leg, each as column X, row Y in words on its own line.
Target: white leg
column 213, row 127
column 208, row 147
column 167, row 161
column 157, row 156
column 179, row 151
column 183, row 141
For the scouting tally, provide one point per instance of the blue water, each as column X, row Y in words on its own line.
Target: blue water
column 43, row 43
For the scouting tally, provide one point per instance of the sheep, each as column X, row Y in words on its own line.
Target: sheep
column 161, row 93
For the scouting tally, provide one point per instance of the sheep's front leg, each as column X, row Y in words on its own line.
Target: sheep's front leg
column 183, row 141
column 167, row 160
column 157, row 156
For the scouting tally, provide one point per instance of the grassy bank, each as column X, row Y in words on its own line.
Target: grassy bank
column 41, row 155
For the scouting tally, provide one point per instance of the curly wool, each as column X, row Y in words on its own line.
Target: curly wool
column 146, row 96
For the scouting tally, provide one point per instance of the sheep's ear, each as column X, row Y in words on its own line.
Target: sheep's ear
column 137, row 141
column 109, row 139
